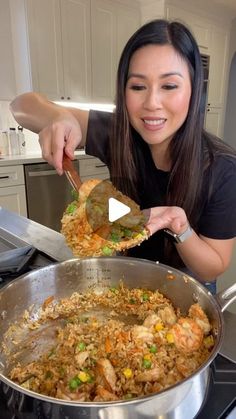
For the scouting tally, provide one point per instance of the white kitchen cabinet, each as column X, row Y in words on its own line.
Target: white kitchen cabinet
column 213, row 40
column 60, row 48
column 200, row 27
column 12, row 189
column 112, row 25
column 7, row 75
column 73, row 46
column 90, row 168
column 218, row 52
column 214, row 121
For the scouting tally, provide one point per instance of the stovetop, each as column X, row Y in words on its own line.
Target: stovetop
column 18, row 257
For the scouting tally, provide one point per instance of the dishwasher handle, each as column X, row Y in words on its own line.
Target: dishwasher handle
column 42, row 173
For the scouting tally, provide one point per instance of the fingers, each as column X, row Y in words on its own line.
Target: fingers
column 57, row 137
column 173, row 218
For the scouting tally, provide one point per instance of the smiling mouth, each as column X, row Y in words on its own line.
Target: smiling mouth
column 154, row 122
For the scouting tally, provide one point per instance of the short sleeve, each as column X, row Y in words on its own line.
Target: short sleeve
column 218, row 220
column 98, row 133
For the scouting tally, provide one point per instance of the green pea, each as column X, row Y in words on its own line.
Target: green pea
column 107, row 251
column 147, row 364
column 153, row 349
column 71, row 208
column 81, row 346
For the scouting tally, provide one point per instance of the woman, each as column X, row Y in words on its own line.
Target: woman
column 156, row 149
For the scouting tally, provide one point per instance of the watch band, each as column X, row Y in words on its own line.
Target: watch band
column 180, row 238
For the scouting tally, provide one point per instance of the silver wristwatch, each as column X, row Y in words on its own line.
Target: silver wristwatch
column 180, row 238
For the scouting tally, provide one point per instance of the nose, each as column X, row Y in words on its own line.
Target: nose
column 152, row 100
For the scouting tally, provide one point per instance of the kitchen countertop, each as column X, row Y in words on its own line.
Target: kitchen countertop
column 31, row 158
column 43, row 238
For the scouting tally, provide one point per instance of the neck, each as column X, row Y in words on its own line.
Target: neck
column 161, row 157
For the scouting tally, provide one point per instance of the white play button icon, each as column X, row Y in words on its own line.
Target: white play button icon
column 116, row 209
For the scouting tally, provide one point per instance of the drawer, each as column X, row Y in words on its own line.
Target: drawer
column 102, row 176
column 92, row 167
column 11, row 176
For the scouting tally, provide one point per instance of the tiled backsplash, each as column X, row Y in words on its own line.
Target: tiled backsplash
column 7, row 121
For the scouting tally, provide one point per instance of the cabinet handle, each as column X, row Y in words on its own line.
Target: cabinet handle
column 62, row 97
column 68, row 97
column 4, row 177
column 208, row 110
column 100, row 165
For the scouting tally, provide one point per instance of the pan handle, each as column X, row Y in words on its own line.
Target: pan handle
column 226, row 297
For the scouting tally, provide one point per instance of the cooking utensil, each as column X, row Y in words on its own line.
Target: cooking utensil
column 71, row 173
column 61, row 280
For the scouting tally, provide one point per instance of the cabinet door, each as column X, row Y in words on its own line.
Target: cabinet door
column 213, row 121
column 13, row 198
column 76, row 47
column 199, row 27
column 7, row 76
column 103, row 32
column 217, row 72
column 44, row 26
column 112, row 25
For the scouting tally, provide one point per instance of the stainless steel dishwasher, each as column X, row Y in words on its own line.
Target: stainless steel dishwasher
column 47, row 194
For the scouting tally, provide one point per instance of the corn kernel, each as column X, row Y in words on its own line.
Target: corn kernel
column 209, row 341
column 159, row 326
column 128, row 373
column 170, row 338
column 83, row 376
column 148, row 357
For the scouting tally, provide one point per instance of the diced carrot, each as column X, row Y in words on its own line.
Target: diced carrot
column 48, row 301
column 108, row 347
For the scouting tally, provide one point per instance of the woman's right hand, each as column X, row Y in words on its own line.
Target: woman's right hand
column 59, row 127
column 62, row 134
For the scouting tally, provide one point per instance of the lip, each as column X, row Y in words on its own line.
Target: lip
column 153, row 124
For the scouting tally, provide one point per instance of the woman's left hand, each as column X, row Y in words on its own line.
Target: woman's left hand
column 173, row 218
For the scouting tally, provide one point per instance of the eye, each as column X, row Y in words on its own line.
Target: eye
column 136, row 87
column 169, row 86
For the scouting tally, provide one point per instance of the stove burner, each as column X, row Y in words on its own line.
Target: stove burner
column 16, row 262
column 221, row 397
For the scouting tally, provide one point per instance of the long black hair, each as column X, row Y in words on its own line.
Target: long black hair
column 191, row 149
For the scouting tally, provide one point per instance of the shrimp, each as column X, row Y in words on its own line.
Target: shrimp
column 188, row 335
column 142, row 333
column 104, row 395
column 63, row 393
column 81, row 357
column 186, row 365
column 106, row 374
column 196, row 312
column 150, row 375
column 151, row 320
column 167, row 315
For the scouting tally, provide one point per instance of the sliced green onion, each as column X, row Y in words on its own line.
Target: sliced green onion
column 75, row 194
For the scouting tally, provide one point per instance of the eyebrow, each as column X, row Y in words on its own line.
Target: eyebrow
column 163, row 76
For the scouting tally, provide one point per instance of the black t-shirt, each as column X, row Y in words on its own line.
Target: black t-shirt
column 218, row 215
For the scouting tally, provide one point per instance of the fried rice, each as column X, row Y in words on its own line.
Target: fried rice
column 86, row 226
column 114, row 345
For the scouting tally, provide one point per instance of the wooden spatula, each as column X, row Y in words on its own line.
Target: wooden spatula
column 71, row 173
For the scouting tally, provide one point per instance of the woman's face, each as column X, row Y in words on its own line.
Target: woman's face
column 158, row 92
